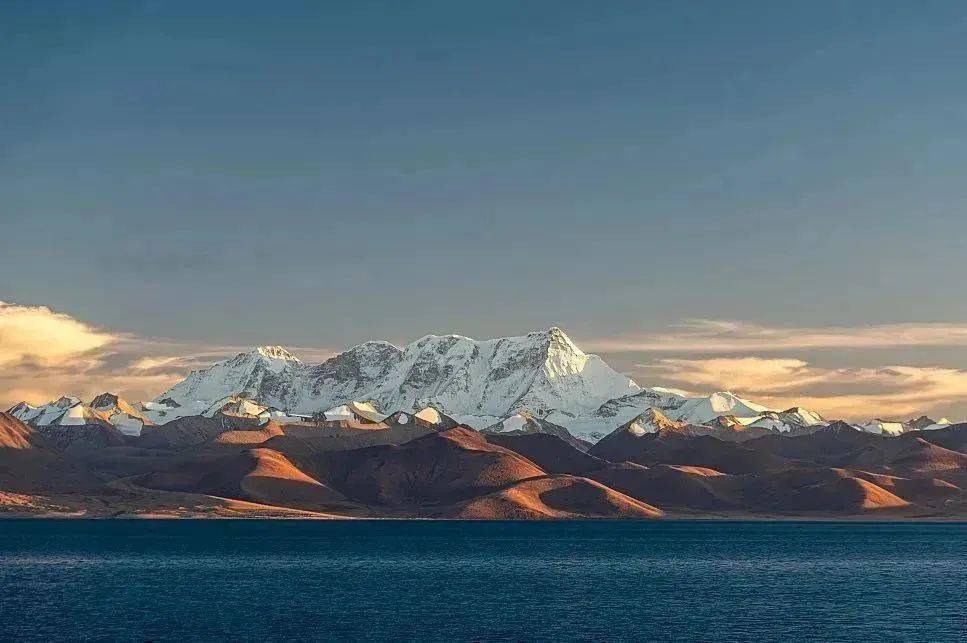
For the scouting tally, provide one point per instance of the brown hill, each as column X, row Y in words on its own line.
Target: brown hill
column 259, row 475
column 249, row 437
column 17, row 436
column 549, row 452
column 953, row 437
column 342, row 436
column 82, row 438
column 676, row 449
column 562, row 496
column 837, row 445
column 794, row 491
column 183, row 433
column 438, row 468
column 840, row 445
column 923, row 491
column 816, row 490
column 274, row 480
column 402, row 469
column 30, row 462
column 207, row 473
column 683, row 488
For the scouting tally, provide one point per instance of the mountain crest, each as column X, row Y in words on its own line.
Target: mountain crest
column 275, row 352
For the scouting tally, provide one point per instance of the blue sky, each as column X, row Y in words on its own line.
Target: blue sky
column 318, row 174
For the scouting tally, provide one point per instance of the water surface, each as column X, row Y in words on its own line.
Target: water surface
column 595, row 580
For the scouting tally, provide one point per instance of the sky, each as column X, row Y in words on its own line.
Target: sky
column 686, row 188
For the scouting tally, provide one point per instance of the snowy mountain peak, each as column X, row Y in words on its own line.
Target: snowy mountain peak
column 557, row 334
column 651, row 421
column 276, row 352
column 66, row 402
column 105, row 400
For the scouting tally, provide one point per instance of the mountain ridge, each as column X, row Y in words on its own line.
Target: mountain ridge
column 542, row 376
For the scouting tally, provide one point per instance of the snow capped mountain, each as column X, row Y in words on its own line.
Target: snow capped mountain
column 106, row 410
column 625, row 408
column 65, row 411
column 651, row 421
column 880, row 427
column 539, row 372
column 939, row 424
column 266, row 374
column 706, row 409
column 888, row 427
column 120, row 413
column 523, row 423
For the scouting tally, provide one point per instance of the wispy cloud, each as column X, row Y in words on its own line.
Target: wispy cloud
column 854, row 393
column 717, row 336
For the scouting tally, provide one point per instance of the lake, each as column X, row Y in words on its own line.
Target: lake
column 500, row 581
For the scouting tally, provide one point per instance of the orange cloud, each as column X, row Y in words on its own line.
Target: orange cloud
column 854, row 393
column 38, row 335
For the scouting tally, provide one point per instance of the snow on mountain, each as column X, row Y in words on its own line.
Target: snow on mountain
column 44, row 414
column 120, row 413
column 881, row 427
column 354, row 411
column 939, row 424
column 68, row 411
column 539, row 372
column 651, row 421
column 65, row 411
column 794, row 419
column 627, row 407
column 266, row 374
column 802, row 417
column 523, row 422
column 888, row 427
column 428, row 417
column 705, row 409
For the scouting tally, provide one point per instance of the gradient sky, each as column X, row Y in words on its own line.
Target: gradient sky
column 317, row 174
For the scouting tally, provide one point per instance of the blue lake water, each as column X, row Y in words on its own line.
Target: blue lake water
column 278, row 580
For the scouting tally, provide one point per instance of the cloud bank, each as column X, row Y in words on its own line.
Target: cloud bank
column 851, row 393
column 38, row 335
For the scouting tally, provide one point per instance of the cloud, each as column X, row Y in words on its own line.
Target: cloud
column 746, row 373
column 852, row 393
column 38, row 335
column 717, row 336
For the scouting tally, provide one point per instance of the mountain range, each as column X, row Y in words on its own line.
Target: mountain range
column 447, row 426
column 481, row 384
